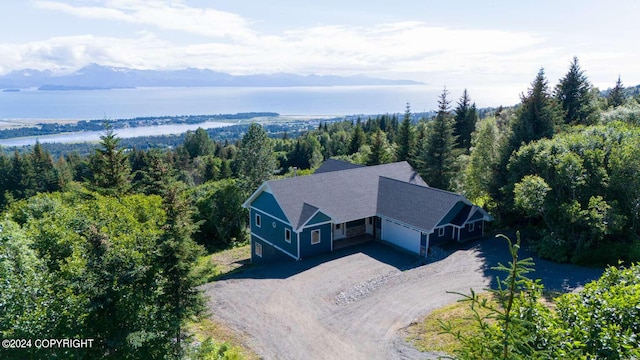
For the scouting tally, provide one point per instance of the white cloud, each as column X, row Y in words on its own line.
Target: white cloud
column 228, row 42
column 174, row 15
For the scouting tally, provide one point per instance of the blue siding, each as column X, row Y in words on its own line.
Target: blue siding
column 269, row 253
column 452, row 213
column 465, row 234
column 434, row 239
column 267, row 203
column 476, row 216
column 272, row 230
column 318, row 219
column 307, row 249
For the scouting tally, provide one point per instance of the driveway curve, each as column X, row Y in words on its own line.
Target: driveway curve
column 354, row 302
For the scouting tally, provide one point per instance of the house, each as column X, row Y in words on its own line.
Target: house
column 298, row 217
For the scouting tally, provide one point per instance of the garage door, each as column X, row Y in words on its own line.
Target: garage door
column 401, row 236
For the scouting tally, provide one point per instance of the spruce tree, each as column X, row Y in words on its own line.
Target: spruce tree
column 380, row 153
column 406, row 138
column 180, row 298
column 256, row 160
column 45, row 174
column 537, row 116
column 436, row 159
column 198, row 143
column 109, row 166
column 358, row 139
column 616, row 95
column 466, row 117
column 573, row 92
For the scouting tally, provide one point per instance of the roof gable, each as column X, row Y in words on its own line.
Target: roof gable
column 417, row 206
column 267, row 202
column 343, row 195
column 395, row 191
column 336, row 165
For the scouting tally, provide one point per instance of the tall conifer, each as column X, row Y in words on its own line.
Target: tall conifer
column 436, row 159
column 406, row 138
column 573, row 92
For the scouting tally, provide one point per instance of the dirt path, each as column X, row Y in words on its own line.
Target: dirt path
column 353, row 303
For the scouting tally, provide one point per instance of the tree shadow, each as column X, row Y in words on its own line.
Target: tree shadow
column 381, row 252
column 556, row 277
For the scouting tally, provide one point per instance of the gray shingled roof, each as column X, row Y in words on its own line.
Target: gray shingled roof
column 344, row 195
column 336, row 165
column 417, row 206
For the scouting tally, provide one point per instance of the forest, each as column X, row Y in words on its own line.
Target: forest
column 104, row 245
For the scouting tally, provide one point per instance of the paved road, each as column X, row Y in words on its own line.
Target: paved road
column 354, row 303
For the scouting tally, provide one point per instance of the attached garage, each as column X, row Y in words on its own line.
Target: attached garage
column 400, row 235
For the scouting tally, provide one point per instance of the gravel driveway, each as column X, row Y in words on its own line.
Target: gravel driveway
column 355, row 302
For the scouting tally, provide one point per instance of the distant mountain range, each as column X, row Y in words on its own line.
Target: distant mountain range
column 95, row 76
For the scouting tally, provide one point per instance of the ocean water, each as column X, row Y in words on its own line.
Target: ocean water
column 141, row 102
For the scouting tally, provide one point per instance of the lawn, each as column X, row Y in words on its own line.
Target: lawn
column 427, row 335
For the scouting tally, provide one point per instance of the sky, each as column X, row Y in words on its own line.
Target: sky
column 492, row 48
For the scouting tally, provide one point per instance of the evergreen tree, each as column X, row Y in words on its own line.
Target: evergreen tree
column 109, row 165
column 178, row 253
column 155, row 173
column 616, row 95
column 537, row 117
column 45, row 174
column 358, row 139
column 197, row 143
column 436, row 159
column 466, row 117
column 406, row 138
column 574, row 95
column 380, row 152
column 256, row 160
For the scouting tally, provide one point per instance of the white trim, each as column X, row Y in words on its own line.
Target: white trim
column 298, row 238
column 257, row 220
column 263, row 187
column 318, row 224
column 400, row 223
column 331, row 240
column 304, row 225
column 269, row 215
column 319, row 236
column 462, row 199
column 287, row 231
column 274, row 245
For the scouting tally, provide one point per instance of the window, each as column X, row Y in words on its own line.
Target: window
column 258, row 249
column 472, row 226
column 338, row 226
column 370, row 221
column 315, row 237
column 258, row 220
column 287, row 235
column 441, row 232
